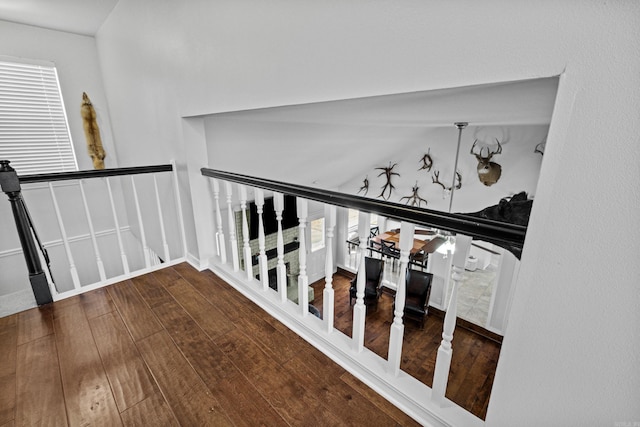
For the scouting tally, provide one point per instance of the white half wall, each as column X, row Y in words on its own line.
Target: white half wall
column 570, row 355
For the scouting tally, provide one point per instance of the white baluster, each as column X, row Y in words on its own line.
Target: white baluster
column 281, row 269
column 143, row 238
column 233, row 242
column 92, row 234
column 397, row 328
column 445, row 351
column 222, row 252
column 328, row 293
column 163, row 235
column 65, row 240
column 123, row 255
column 246, row 249
column 262, row 258
column 360, row 309
column 176, row 189
column 303, row 279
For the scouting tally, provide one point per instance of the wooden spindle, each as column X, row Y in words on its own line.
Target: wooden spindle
column 233, row 242
column 123, row 254
column 92, row 234
column 65, row 240
column 222, row 253
column 445, row 351
column 143, row 238
column 176, row 193
column 262, row 257
column 360, row 309
column 163, row 234
column 397, row 328
column 328, row 299
column 246, row 249
column 281, row 269
column 303, row 279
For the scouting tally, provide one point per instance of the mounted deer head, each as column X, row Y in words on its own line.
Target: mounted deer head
column 488, row 171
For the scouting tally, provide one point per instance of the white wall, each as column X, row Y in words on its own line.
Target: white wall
column 570, row 355
column 76, row 61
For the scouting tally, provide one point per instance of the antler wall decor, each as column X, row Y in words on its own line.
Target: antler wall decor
column 427, row 161
column 446, row 190
column 365, row 186
column 414, row 199
column 388, row 173
column 488, row 172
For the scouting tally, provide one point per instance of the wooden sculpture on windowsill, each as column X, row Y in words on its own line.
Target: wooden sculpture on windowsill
column 92, row 133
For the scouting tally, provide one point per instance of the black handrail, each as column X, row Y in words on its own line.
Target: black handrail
column 65, row 176
column 10, row 184
column 507, row 235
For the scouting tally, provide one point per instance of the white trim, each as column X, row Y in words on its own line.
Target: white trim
column 112, row 280
column 58, row 242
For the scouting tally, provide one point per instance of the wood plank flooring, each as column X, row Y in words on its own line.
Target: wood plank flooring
column 474, row 361
column 173, row 347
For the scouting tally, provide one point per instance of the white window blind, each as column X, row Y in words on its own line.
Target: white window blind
column 34, row 134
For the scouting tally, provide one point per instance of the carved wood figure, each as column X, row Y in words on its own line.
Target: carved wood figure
column 427, row 161
column 488, row 172
column 388, row 173
column 365, row 186
column 414, row 199
column 92, row 132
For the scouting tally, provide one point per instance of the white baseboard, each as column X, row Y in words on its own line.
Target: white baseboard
column 197, row 263
column 17, row 302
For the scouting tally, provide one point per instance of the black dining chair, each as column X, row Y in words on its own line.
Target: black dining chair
column 373, row 275
column 417, row 291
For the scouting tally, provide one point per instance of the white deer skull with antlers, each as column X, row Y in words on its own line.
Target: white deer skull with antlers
column 488, row 172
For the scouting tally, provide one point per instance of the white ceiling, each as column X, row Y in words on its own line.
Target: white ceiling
column 74, row 16
column 526, row 102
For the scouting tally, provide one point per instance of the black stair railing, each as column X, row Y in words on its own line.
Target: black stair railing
column 509, row 236
column 10, row 184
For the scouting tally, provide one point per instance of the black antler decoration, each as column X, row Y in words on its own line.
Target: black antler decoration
column 388, row 172
column 365, row 187
column 427, row 161
column 414, row 199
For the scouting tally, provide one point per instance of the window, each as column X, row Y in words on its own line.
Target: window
column 317, row 234
column 34, row 134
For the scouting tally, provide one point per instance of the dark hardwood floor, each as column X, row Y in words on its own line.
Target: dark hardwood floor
column 474, row 360
column 178, row 347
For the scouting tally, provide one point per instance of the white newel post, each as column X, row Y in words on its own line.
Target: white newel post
column 397, row 328
column 246, row 249
column 445, row 351
column 281, row 269
column 360, row 309
column 233, row 241
column 327, row 294
column 219, row 233
column 303, row 280
column 262, row 258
